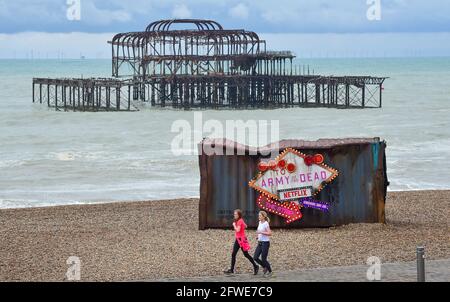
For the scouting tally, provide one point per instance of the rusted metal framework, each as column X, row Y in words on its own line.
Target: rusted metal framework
column 208, row 49
column 245, row 91
column 93, row 94
column 189, row 63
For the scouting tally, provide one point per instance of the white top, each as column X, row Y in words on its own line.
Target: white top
column 263, row 227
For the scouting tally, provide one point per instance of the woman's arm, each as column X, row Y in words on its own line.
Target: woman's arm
column 267, row 232
column 236, row 227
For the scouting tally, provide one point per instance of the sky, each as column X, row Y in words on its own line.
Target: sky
column 346, row 23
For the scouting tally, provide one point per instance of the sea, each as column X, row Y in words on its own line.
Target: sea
column 52, row 158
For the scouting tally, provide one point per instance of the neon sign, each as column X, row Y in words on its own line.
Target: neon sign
column 294, row 193
column 290, row 182
column 314, row 204
column 291, row 211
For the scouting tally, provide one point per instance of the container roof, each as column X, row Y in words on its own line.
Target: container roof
column 291, row 143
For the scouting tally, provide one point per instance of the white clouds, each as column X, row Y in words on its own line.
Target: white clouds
column 261, row 15
column 279, row 15
column 54, row 12
column 134, row 7
column 91, row 14
column 239, row 11
column 25, row 11
column 181, row 11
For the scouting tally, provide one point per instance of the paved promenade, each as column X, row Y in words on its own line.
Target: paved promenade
column 436, row 270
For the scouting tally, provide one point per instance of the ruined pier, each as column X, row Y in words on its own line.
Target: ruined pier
column 186, row 63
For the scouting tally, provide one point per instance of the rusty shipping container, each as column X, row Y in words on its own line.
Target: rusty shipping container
column 357, row 195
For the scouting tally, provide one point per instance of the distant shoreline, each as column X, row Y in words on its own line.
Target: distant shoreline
column 148, row 240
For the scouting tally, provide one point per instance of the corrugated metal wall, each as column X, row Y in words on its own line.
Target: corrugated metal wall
column 357, row 195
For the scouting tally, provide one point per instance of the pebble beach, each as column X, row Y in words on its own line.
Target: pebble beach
column 152, row 240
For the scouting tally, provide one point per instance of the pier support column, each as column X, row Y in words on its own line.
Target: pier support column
column 163, row 93
column 56, row 97
column 347, row 95
column 40, row 93
column 317, row 93
column 363, row 99
column 152, row 87
column 381, row 93
column 33, row 91
column 135, row 91
column 118, row 98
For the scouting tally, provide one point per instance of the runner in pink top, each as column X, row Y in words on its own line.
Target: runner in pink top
column 239, row 228
column 241, row 242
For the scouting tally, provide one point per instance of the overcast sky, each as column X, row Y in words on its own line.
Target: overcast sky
column 298, row 16
column 33, row 19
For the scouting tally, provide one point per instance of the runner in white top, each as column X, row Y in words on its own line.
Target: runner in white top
column 263, row 227
column 262, row 249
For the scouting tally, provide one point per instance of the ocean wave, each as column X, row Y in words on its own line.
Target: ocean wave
column 12, row 163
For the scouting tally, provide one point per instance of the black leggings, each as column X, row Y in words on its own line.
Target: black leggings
column 263, row 250
column 236, row 248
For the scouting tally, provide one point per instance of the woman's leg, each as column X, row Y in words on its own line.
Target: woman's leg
column 236, row 248
column 247, row 255
column 265, row 253
column 258, row 252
